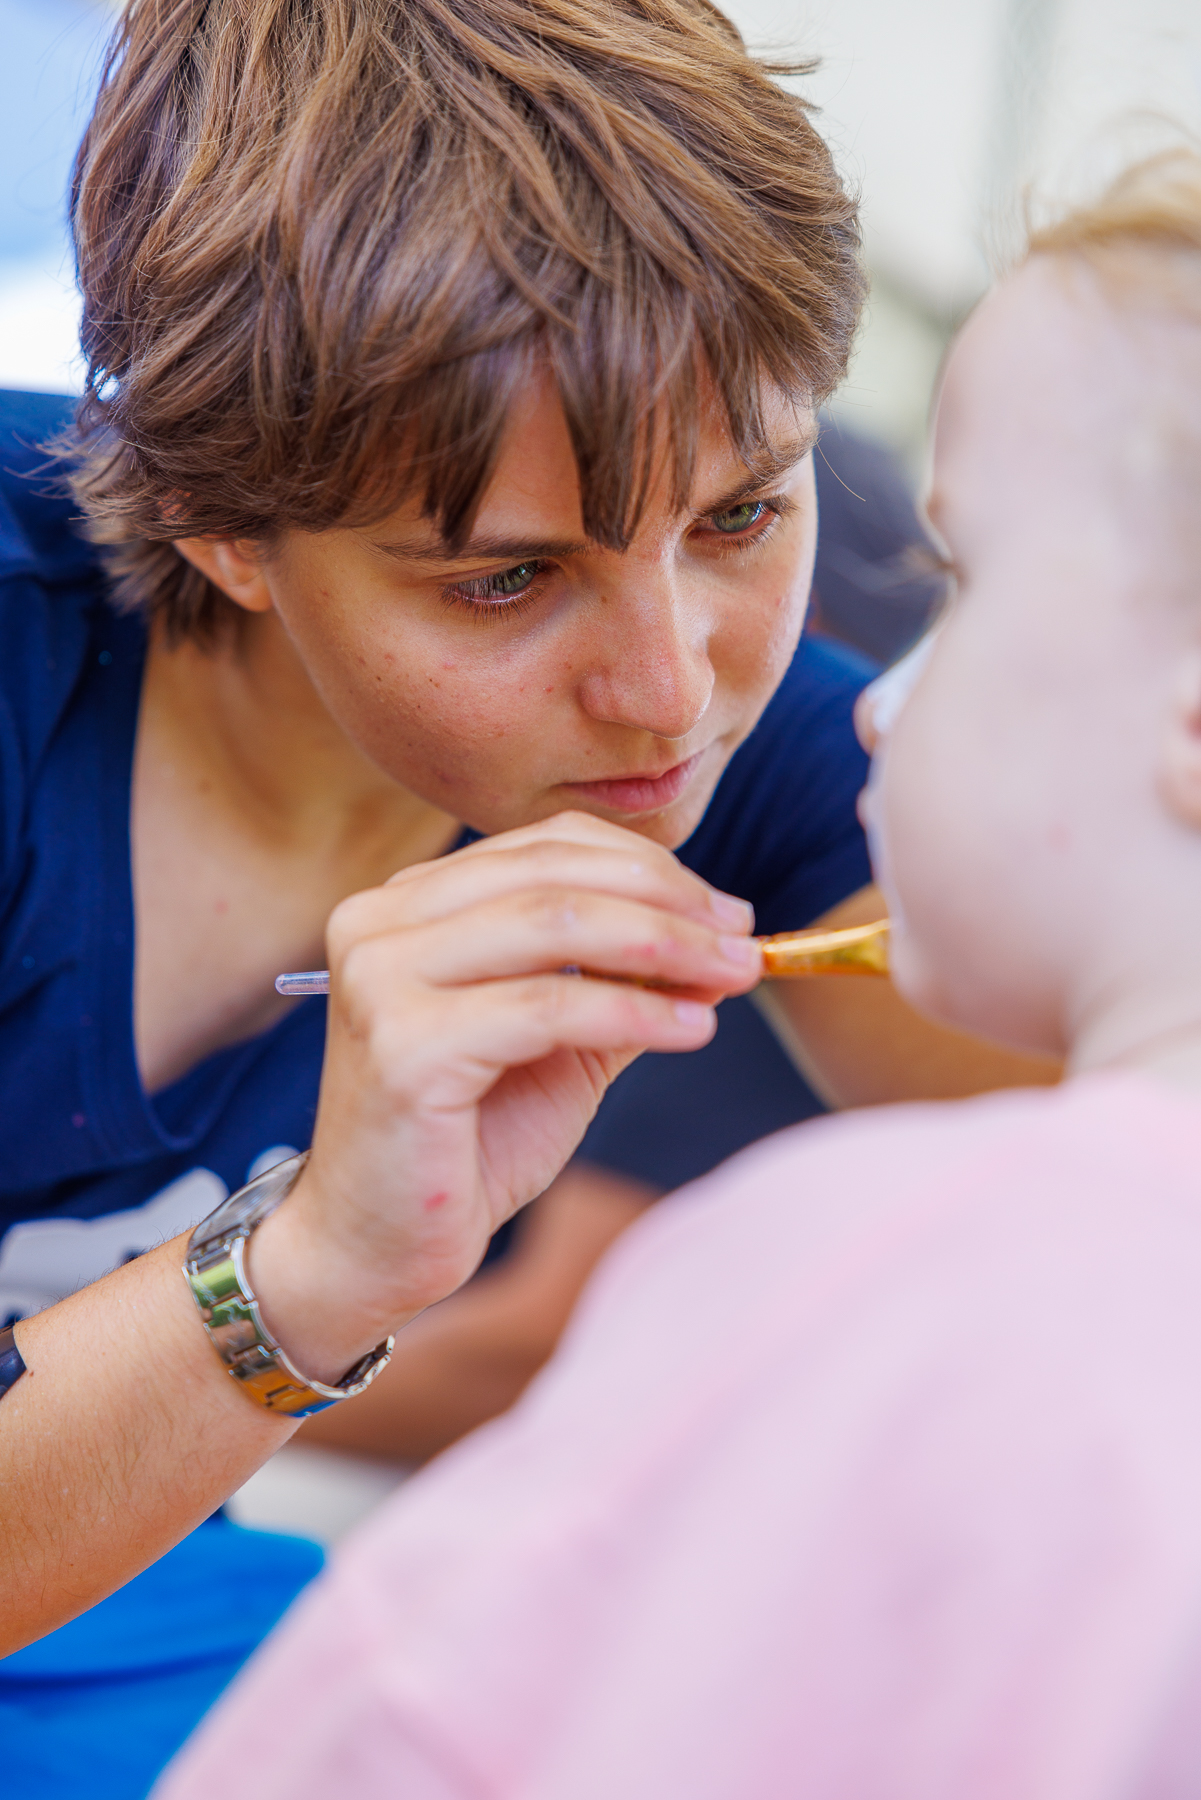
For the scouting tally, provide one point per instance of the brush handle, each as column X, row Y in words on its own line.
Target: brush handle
column 311, row 981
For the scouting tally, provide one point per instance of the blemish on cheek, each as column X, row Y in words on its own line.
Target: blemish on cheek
column 1059, row 837
column 435, row 1201
column 221, row 906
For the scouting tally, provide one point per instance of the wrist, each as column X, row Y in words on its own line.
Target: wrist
column 322, row 1306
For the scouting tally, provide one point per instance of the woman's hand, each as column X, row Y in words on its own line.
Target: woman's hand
column 463, row 1062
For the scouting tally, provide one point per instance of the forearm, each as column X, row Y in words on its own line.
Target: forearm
column 125, row 1433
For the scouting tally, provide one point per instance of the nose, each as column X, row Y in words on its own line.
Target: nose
column 651, row 667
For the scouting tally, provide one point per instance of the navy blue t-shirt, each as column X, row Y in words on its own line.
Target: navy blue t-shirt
column 92, row 1169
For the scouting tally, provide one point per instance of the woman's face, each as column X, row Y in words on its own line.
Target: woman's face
column 536, row 671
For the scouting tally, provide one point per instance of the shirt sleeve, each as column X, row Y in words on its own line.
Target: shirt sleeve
column 47, row 579
column 782, row 830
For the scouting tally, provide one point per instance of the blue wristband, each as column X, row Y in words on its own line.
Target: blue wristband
column 12, row 1363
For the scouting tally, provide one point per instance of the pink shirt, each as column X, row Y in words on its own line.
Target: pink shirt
column 870, row 1469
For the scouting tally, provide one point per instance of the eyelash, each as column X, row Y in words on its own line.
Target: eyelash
column 925, row 558
column 468, row 597
column 482, row 609
column 929, row 559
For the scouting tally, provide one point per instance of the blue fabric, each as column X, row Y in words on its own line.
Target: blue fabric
column 81, row 1138
column 100, row 1706
column 93, row 1170
column 664, row 1125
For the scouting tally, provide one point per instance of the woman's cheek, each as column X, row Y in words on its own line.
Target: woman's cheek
column 460, row 744
column 758, row 641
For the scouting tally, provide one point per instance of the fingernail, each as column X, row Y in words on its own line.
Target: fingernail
column 693, row 1013
column 743, row 952
column 731, row 911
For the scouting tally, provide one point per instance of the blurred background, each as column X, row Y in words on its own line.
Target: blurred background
column 950, row 116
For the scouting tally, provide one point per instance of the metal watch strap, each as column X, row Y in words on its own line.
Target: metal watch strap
column 229, row 1311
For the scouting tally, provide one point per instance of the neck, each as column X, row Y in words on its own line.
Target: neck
column 246, row 717
column 1151, row 1023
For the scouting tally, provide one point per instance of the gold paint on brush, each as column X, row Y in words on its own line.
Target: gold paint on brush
column 858, row 950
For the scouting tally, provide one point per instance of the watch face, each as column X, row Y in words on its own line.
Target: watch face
column 249, row 1205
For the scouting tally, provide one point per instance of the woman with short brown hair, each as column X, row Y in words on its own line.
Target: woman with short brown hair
column 446, row 457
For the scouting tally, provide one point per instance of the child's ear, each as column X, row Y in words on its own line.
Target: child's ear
column 1179, row 769
column 233, row 565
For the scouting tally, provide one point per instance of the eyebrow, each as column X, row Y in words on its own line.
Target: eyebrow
column 487, row 549
column 482, row 549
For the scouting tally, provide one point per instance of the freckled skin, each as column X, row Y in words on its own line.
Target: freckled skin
column 639, row 660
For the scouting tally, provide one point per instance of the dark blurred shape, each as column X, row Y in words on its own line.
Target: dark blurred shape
column 870, row 589
column 668, row 1119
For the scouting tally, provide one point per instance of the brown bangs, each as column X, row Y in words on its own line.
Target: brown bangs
column 323, row 244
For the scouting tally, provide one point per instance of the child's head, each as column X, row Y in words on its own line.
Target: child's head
column 1039, row 799
column 403, row 267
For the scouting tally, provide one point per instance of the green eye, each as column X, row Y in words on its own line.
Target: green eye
column 738, row 518
column 500, row 587
column 509, row 581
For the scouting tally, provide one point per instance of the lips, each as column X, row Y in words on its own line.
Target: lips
column 638, row 793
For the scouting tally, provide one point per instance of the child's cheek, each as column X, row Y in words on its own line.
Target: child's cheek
column 871, row 815
column 904, row 809
column 878, row 713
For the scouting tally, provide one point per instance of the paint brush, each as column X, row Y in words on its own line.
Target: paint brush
column 789, row 955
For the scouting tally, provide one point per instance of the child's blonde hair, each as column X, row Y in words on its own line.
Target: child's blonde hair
column 1140, row 244
column 1154, row 207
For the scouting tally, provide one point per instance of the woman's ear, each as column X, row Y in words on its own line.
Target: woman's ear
column 1179, row 769
column 232, row 564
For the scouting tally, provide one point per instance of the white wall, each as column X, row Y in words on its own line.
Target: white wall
column 946, row 113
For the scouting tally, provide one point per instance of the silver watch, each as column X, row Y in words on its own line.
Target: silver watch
column 216, row 1275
